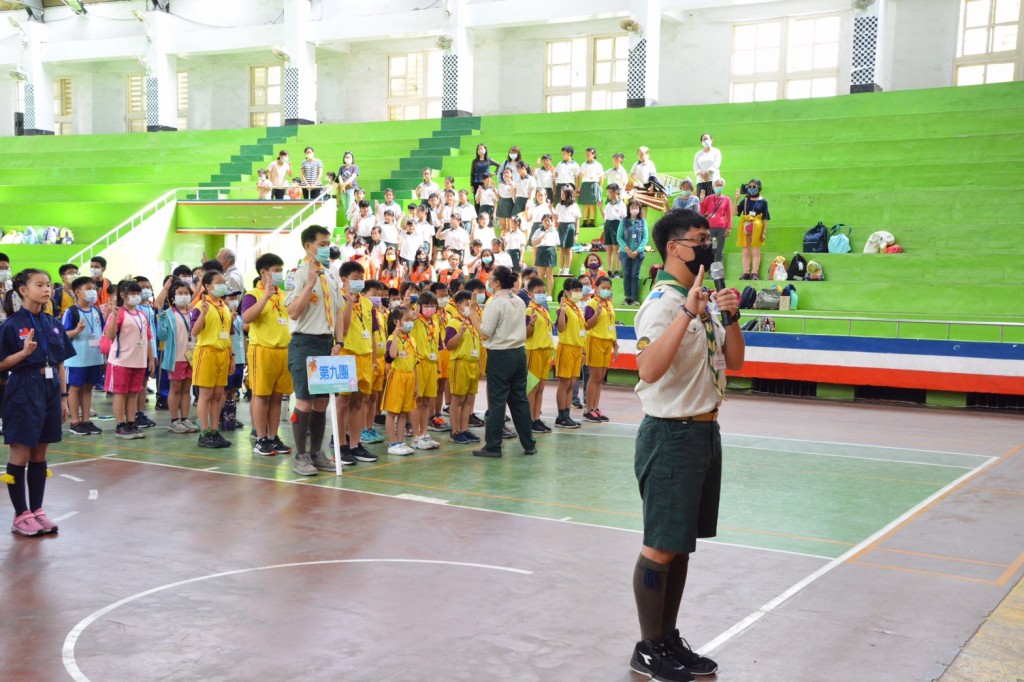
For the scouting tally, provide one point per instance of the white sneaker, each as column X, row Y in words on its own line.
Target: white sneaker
column 431, row 442
column 178, row 427
column 422, row 443
column 192, row 426
column 399, row 449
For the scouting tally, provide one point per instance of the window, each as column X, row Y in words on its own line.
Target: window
column 989, row 42
column 183, row 100
column 586, row 73
column 266, row 107
column 792, row 58
column 136, row 118
column 62, row 107
column 414, row 85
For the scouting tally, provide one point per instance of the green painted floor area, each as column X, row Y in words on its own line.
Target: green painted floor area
column 791, row 495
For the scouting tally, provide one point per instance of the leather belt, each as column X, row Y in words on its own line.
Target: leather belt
column 711, row 416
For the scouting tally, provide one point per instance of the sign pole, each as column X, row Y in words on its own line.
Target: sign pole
column 332, row 406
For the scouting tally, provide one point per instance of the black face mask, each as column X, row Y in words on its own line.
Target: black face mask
column 702, row 255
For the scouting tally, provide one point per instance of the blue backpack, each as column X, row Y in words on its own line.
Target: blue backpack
column 816, row 239
column 747, row 298
column 839, row 242
column 790, row 291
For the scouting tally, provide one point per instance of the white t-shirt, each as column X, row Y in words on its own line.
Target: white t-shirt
column 548, row 237
column 487, row 196
column 526, row 187
column 364, row 224
column 395, row 209
column 505, row 191
column 643, row 171
column 515, row 240
column 457, row 238
column 503, row 259
column 616, row 211
column 567, row 214
column 617, row 175
column 566, row 172
column 423, row 190
column 409, row 244
column 591, row 171
column 467, row 212
column 545, row 179
column 389, row 233
column 485, row 234
column 426, row 231
column 538, row 211
column 711, row 160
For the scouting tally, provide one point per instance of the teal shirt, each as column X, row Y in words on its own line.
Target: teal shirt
column 632, row 233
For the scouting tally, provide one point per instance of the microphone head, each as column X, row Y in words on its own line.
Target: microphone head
column 717, row 270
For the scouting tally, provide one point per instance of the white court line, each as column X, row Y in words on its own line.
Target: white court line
column 421, row 498
column 94, row 494
column 62, row 517
column 479, row 509
column 68, row 651
column 835, row 563
column 76, row 479
column 829, row 442
column 810, row 454
column 112, row 454
column 211, row 468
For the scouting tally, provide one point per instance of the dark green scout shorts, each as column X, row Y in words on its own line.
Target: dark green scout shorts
column 679, row 469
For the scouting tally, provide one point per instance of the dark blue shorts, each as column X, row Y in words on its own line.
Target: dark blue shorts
column 32, row 410
column 85, row 376
column 235, row 380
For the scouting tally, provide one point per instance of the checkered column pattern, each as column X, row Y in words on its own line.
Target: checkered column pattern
column 450, row 83
column 152, row 101
column 865, row 43
column 30, row 106
column 635, row 88
column 291, row 92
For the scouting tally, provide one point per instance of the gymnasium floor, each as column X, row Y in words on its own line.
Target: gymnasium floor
column 856, row 542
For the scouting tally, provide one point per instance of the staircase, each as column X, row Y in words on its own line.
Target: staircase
column 240, row 167
column 431, row 153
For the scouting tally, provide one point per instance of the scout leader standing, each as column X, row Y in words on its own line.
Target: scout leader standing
column 312, row 301
column 683, row 351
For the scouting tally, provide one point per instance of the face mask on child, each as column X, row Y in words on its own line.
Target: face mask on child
column 605, row 293
column 220, row 290
column 181, row 300
column 91, row 296
column 134, row 300
column 487, row 260
column 233, row 305
column 576, row 296
column 394, row 304
column 356, row 285
column 277, row 278
column 147, row 294
column 481, row 299
column 407, row 326
column 443, row 301
column 540, row 299
column 587, row 290
column 428, row 311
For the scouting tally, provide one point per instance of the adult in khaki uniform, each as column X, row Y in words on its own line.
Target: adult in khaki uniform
column 682, row 354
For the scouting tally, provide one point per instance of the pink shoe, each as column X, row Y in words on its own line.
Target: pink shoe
column 44, row 521
column 26, row 524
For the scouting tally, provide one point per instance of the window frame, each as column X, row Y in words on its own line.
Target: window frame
column 990, row 57
column 63, row 106
column 781, row 75
column 613, row 90
column 135, row 119
column 263, row 115
column 426, row 103
column 182, row 110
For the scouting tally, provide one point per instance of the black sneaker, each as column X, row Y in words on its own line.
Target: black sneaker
column 93, row 429
column 592, row 416
column 544, row 427
column 209, row 440
column 362, row 454
column 222, row 442
column 694, row 662
column 380, row 420
column 125, row 431
column 264, row 448
column 144, row 422
column 655, row 660
column 476, row 421
column 577, row 404
column 538, row 426
column 567, row 423
column 473, row 438
column 347, row 458
column 279, row 447
column 161, row 404
column 79, row 429
column 484, row 452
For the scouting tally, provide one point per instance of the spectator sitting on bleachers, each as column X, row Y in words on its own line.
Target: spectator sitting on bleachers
column 686, row 199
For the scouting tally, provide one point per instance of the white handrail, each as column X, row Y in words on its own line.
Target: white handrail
column 132, row 222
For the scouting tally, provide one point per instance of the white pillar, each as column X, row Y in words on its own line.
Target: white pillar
column 457, row 65
column 161, row 75
column 300, row 69
column 866, row 66
column 644, row 55
column 39, row 86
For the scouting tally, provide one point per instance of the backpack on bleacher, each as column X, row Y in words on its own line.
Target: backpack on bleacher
column 797, row 269
column 794, row 300
column 815, row 273
column 879, row 241
column 816, row 239
column 747, row 298
column 29, row 236
column 839, row 242
column 65, row 236
column 12, row 237
column 49, row 235
column 777, row 270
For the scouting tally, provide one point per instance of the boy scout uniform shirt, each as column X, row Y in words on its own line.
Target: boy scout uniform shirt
column 316, row 319
column 543, row 329
column 359, row 337
column 688, row 387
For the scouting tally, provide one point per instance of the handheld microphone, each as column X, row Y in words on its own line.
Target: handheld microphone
column 718, row 275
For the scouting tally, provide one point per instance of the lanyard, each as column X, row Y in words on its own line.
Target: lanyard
column 87, row 316
column 217, row 304
column 184, row 323
column 140, row 325
column 41, row 335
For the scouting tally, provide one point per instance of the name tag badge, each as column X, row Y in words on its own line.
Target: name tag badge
column 191, row 345
column 366, row 334
column 94, row 343
column 403, row 354
column 224, row 335
column 582, row 333
column 474, row 353
column 719, row 360
column 283, row 322
column 433, row 357
column 382, row 346
column 48, row 372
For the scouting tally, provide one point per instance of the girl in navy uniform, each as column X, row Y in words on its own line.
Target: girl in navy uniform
column 33, row 346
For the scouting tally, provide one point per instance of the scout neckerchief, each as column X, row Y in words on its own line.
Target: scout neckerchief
column 579, row 313
column 323, row 285
column 709, row 327
column 609, row 308
column 218, row 306
column 275, row 298
column 468, row 326
column 428, row 322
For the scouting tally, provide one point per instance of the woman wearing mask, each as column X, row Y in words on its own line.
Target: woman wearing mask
column 686, row 200
column 392, row 272
column 632, row 239
column 754, row 217
column 421, row 270
column 482, row 163
column 717, row 208
column 348, row 180
column 485, row 266
column 511, row 163
column 707, row 164
column 592, row 267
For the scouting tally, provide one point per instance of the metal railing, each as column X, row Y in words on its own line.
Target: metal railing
column 136, row 219
column 897, row 322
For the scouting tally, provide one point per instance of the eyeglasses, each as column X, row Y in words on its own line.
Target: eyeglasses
column 696, row 242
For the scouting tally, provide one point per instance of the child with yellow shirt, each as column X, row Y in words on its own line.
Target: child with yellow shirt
column 377, row 293
column 572, row 334
column 462, row 339
column 437, row 421
column 400, row 388
column 213, row 360
column 540, row 347
column 427, row 335
column 602, row 344
column 358, row 323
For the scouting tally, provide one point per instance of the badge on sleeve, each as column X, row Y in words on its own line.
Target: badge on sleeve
column 655, row 295
column 642, row 343
column 289, row 280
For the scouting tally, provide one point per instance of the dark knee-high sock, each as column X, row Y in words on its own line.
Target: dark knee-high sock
column 674, row 591
column 317, row 424
column 300, row 430
column 650, row 580
column 15, row 480
column 36, row 478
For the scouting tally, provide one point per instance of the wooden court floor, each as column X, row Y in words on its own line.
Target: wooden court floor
column 855, row 542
